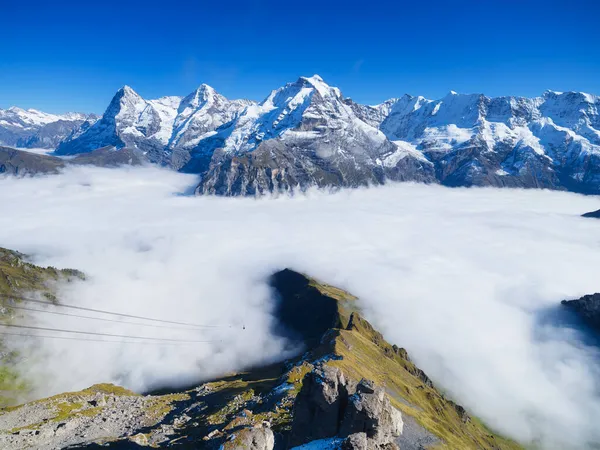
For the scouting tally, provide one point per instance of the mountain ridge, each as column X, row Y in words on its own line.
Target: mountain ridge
column 36, row 129
column 306, row 133
column 304, row 399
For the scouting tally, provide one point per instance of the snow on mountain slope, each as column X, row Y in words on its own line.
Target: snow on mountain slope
column 303, row 134
column 550, row 141
column 308, row 109
column 202, row 112
column 156, row 127
column 35, row 129
column 306, row 133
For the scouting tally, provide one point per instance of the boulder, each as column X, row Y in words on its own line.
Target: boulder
column 369, row 411
column 329, row 405
column 258, row 438
column 356, row 441
column 319, row 404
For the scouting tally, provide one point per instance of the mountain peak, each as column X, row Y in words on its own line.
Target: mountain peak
column 127, row 92
column 314, row 79
column 203, row 94
column 320, row 85
column 574, row 95
column 205, row 91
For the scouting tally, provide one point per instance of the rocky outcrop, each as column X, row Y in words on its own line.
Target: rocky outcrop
column 356, row 441
column 588, row 308
column 369, row 411
column 73, row 419
column 321, row 395
column 592, row 214
column 258, row 438
column 331, row 405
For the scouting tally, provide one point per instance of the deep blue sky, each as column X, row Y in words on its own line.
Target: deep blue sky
column 73, row 55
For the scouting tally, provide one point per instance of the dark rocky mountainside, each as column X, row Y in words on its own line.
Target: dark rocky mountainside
column 23, row 163
column 351, row 389
column 18, row 162
column 587, row 308
column 592, row 214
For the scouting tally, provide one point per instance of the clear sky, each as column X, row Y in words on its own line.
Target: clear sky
column 73, row 55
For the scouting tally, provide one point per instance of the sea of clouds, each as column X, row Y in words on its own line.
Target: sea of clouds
column 469, row 281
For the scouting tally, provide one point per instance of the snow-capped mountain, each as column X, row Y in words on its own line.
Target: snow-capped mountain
column 551, row 141
column 306, row 133
column 302, row 134
column 35, row 129
column 156, row 127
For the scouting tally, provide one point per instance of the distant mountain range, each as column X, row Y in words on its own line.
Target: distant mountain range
column 35, row 129
column 307, row 134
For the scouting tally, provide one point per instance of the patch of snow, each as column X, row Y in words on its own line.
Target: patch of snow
column 404, row 149
column 321, row 444
column 444, row 138
column 283, row 387
column 37, row 151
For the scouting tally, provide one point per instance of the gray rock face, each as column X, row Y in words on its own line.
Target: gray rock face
column 369, row 411
column 319, row 406
column 277, row 167
column 356, row 441
column 588, row 308
column 251, row 439
column 329, row 405
column 22, row 163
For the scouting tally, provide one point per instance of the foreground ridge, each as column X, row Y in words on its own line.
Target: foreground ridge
column 350, row 389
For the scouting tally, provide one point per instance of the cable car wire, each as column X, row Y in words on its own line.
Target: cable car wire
column 31, row 327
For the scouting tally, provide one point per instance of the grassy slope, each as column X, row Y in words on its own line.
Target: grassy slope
column 19, row 278
column 361, row 352
column 351, row 343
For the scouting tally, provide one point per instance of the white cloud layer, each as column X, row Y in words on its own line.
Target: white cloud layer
column 468, row 280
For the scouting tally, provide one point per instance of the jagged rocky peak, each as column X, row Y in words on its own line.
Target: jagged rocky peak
column 201, row 96
column 125, row 95
column 306, row 133
column 573, row 110
column 123, row 99
column 300, row 92
column 321, row 87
